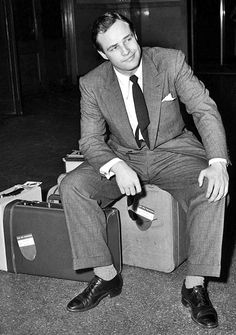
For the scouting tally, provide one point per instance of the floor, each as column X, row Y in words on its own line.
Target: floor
column 32, row 148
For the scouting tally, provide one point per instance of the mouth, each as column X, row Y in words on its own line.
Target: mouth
column 130, row 58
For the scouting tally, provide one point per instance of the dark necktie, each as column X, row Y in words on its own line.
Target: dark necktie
column 141, row 111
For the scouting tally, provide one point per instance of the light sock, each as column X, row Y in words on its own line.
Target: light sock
column 192, row 281
column 106, row 272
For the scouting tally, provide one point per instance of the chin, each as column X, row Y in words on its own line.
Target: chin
column 133, row 67
column 128, row 67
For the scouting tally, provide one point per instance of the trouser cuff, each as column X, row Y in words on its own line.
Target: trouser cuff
column 79, row 264
column 203, row 270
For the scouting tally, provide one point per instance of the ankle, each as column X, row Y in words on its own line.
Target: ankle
column 105, row 272
column 192, row 281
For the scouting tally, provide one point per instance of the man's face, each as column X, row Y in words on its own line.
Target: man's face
column 120, row 47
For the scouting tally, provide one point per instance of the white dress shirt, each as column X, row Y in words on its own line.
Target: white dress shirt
column 126, row 90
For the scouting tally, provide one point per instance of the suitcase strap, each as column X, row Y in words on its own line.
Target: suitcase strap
column 54, row 196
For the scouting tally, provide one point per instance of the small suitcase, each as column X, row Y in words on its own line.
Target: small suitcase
column 157, row 239
column 37, row 240
column 72, row 160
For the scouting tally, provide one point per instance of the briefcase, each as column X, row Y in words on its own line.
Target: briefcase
column 153, row 230
column 37, row 240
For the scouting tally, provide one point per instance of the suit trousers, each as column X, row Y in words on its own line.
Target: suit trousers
column 84, row 192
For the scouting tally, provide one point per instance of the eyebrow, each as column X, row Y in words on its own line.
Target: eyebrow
column 114, row 45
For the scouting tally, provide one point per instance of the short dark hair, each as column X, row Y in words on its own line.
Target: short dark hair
column 104, row 22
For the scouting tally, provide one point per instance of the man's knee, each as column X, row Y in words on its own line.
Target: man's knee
column 64, row 185
column 69, row 182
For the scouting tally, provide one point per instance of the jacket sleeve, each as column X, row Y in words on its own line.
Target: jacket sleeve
column 93, row 129
column 203, row 109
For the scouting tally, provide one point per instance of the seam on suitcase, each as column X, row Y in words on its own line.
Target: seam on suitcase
column 178, row 236
column 113, row 211
column 11, row 239
column 120, row 239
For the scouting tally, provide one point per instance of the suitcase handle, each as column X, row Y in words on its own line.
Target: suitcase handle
column 40, row 204
column 54, row 197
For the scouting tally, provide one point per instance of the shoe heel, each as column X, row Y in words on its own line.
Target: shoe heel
column 115, row 292
column 184, row 302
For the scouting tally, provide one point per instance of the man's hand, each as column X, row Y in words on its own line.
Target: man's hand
column 218, row 181
column 126, row 178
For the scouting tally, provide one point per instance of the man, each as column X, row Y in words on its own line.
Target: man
column 161, row 152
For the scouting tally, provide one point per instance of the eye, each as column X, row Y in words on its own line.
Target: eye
column 113, row 48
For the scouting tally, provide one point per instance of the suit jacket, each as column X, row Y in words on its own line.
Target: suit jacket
column 105, row 129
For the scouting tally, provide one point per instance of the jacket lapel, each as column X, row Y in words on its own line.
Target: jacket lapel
column 153, row 83
column 116, row 106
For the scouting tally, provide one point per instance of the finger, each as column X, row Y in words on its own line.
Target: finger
column 226, row 189
column 217, row 190
column 127, row 191
column 209, row 189
column 122, row 190
column 132, row 190
column 220, row 194
column 138, row 187
column 201, row 178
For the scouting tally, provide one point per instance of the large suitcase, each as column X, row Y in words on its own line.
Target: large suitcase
column 37, row 241
column 157, row 238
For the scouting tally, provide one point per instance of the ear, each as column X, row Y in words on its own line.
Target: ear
column 102, row 54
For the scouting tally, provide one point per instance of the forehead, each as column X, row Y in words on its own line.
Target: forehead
column 115, row 34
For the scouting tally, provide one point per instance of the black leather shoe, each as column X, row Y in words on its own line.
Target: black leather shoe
column 202, row 311
column 96, row 290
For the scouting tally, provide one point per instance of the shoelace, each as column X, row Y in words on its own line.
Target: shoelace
column 201, row 295
column 90, row 288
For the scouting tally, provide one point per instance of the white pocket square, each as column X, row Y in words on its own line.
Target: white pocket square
column 168, row 98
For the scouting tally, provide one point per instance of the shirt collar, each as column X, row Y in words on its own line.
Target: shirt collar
column 124, row 79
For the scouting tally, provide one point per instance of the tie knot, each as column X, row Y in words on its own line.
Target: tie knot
column 134, row 79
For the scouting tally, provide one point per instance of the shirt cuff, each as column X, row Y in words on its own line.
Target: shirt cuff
column 105, row 170
column 217, row 160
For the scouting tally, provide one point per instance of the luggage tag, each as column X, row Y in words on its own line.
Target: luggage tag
column 145, row 212
column 142, row 215
column 27, row 246
column 19, row 188
column 31, row 184
column 16, row 191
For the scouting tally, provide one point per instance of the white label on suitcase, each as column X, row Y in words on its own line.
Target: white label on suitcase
column 27, row 246
column 25, row 240
column 146, row 212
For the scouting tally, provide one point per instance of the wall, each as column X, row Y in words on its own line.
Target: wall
column 158, row 23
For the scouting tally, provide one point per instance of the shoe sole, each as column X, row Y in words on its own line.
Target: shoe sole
column 111, row 294
column 187, row 305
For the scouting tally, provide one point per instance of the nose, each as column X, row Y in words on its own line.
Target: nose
column 124, row 50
